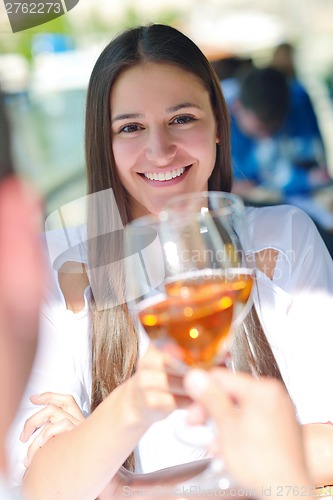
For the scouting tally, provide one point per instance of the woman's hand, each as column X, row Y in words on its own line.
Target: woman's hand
column 318, row 442
column 60, row 413
column 156, row 389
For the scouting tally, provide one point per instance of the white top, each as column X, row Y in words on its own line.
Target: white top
column 6, row 493
column 295, row 308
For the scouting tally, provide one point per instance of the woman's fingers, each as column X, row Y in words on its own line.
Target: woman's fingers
column 49, row 431
column 58, row 406
column 197, row 414
column 64, row 401
column 51, row 414
column 60, row 413
column 157, row 386
column 175, row 385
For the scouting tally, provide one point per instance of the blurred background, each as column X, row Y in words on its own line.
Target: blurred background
column 44, row 71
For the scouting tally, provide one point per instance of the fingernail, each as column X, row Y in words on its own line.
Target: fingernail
column 196, row 382
column 36, row 399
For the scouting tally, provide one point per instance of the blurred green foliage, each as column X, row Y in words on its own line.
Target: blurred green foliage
column 21, row 42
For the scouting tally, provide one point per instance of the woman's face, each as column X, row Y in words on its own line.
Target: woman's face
column 164, row 134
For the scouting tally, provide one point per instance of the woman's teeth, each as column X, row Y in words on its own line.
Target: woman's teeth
column 165, row 176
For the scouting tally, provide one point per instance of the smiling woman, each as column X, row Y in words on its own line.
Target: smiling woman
column 169, row 141
column 157, row 126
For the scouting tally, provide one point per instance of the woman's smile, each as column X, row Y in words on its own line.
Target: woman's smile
column 166, row 178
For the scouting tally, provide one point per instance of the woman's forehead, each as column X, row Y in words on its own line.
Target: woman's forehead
column 160, row 81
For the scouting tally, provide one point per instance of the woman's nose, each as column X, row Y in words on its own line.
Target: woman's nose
column 160, row 148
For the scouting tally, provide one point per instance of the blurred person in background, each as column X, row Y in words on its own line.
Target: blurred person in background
column 275, row 138
column 283, row 59
column 229, row 71
column 21, row 277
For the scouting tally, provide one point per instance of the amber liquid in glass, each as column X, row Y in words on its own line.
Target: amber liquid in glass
column 194, row 317
column 241, row 283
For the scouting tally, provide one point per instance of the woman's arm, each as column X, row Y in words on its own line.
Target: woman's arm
column 61, row 414
column 80, row 463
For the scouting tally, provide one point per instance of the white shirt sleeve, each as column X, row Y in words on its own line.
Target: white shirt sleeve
column 297, row 308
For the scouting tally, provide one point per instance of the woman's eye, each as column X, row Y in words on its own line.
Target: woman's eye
column 179, row 120
column 132, row 127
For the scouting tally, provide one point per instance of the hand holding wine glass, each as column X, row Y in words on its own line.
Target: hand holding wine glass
column 190, row 279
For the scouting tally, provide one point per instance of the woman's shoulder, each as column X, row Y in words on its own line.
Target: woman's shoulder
column 278, row 213
column 66, row 244
column 302, row 259
column 66, row 259
column 279, row 226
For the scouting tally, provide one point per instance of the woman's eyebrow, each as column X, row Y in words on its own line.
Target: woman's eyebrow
column 127, row 116
column 172, row 109
column 182, row 105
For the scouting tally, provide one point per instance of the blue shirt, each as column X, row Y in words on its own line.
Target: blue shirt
column 282, row 161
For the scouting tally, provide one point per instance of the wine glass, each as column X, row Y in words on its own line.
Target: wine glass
column 189, row 279
column 235, row 255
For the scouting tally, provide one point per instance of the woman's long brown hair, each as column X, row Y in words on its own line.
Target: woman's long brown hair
column 114, row 337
